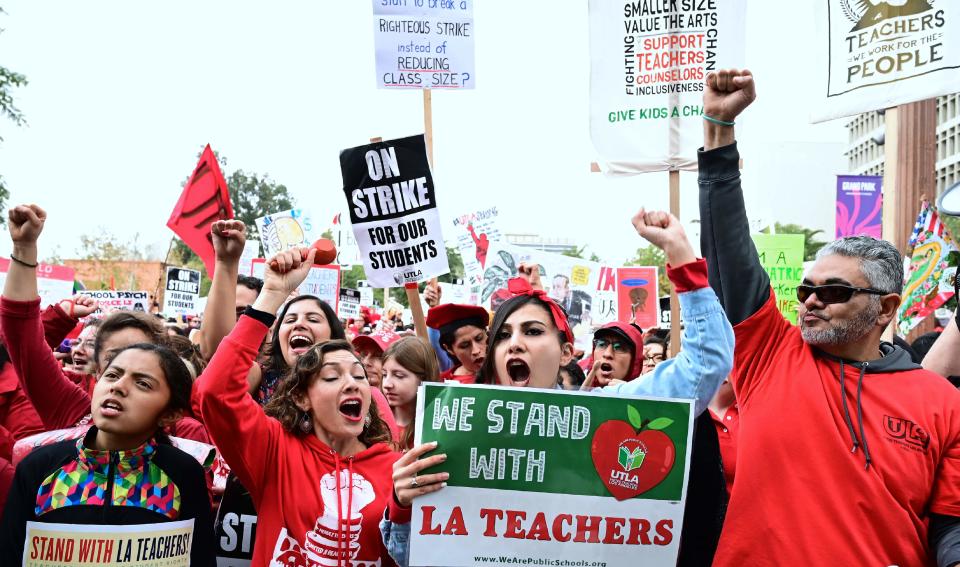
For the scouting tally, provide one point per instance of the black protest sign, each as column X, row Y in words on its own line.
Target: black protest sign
column 393, row 208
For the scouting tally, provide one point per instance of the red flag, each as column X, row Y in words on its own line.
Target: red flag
column 205, row 199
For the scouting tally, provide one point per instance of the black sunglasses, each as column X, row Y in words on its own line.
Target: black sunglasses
column 833, row 293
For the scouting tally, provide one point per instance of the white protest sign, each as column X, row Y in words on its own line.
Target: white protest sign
column 54, row 283
column 285, row 230
column 182, row 291
column 511, row 454
column 424, row 44
column 349, row 304
column 393, row 209
column 165, row 544
column 321, row 281
column 877, row 55
column 111, row 301
column 251, row 250
column 648, row 62
column 366, row 293
column 474, row 232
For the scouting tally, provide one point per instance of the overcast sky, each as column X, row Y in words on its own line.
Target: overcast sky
column 122, row 96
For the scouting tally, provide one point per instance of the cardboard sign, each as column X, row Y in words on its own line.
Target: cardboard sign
column 205, row 199
column 349, row 304
column 859, row 205
column 285, row 230
column 474, row 232
column 424, row 44
column 933, row 266
column 137, row 545
column 782, row 257
column 393, row 208
column 876, row 54
column 111, row 301
column 182, row 291
column 538, row 476
column 54, row 283
column 648, row 62
column 637, row 294
column 322, row 281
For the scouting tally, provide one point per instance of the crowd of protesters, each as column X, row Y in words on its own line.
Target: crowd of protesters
column 793, row 461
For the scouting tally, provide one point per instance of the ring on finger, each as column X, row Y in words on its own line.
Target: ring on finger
column 414, row 483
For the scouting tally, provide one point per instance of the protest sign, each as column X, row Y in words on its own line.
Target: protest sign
column 393, row 209
column 637, row 296
column 424, row 44
column 876, row 55
column 236, row 526
column 474, row 232
column 782, row 257
column 648, row 62
column 134, row 545
column 205, row 199
column 933, row 265
column 348, row 251
column 586, row 290
column 538, row 476
column 54, row 283
column 366, row 293
column 251, row 250
column 859, row 205
column 111, row 301
column 321, row 281
column 182, row 292
column 285, row 230
column 349, row 304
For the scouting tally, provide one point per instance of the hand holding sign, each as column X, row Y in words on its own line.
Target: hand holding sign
column 26, row 224
column 728, row 93
column 228, row 237
column 406, row 484
column 287, row 270
column 664, row 231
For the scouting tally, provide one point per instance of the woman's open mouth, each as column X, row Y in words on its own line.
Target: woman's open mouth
column 350, row 409
column 300, row 344
column 519, row 372
column 110, row 408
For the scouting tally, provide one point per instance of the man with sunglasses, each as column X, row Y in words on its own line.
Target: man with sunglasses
column 848, row 452
column 615, row 353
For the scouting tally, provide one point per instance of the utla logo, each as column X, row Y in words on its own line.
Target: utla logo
column 633, row 456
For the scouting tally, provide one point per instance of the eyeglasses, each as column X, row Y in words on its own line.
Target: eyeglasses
column 833, row 293
column 654, row 358
column 618, row 346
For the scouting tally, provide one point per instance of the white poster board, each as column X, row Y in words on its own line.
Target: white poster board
column 285, row 230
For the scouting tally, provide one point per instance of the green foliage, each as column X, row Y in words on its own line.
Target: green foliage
column 811, row 244
column 653, row 256
column 105, row 247
column 254, row 196
column 456, row 267
column 579, row 253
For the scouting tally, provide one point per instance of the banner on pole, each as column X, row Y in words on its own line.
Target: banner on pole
column 933, row 266
column 882, row 54
column 648, row 63
column 54, row 283
column 637, row 296
column 538, row 476
column 424, row 44
column 782, row 257
column 474, row 232
column 859, row 205
column 182, row 292
column 393, row 209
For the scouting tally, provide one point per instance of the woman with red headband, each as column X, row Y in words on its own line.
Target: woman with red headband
column 530, row 340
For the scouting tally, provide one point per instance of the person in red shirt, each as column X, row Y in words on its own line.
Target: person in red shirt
column 463, row 335
column 406, row 364
column 726, row 420
column 848, row 452
column 318, row 463
column 371, row 348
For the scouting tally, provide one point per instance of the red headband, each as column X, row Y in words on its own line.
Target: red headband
column 520, row 286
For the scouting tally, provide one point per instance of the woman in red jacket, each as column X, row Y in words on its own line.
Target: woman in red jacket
column 319, row 466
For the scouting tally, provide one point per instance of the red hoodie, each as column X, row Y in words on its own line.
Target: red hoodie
column 313, row 505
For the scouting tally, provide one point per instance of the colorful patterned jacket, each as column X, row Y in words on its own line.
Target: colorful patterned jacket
column 70, row 483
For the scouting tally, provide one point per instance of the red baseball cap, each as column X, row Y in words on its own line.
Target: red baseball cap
column 381, row 339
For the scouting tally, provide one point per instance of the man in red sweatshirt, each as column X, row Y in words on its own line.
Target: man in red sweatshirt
column 849, row 454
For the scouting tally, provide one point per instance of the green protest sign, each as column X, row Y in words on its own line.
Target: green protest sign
column 547, row 474
column 782, row 257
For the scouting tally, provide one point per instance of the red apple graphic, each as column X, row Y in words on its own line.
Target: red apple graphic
column 631, row 458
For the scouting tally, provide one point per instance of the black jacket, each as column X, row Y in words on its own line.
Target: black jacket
column 177, row 467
